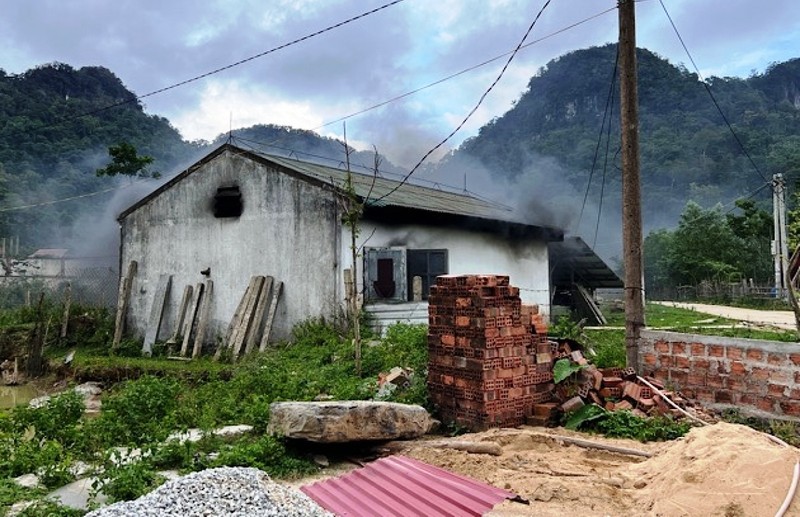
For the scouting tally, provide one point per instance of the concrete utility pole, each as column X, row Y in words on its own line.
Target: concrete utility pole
column 631, row 190
column 780, row 243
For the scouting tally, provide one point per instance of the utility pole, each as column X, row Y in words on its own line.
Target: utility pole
column 631, row 189
column 780, row 244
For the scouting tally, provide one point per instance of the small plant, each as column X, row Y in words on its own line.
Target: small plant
column 267, row 453
column 124, row 481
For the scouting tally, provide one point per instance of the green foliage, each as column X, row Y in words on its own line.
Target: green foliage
column 267, row 453
column 11, row 492
column 126, row 162
column 47, row 508
column 710, row 245
column 624, row 424
column 584, row 415
column 124, row 481
column 563, row 369
column 140, row 412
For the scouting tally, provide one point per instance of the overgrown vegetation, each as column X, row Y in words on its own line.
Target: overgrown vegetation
column 142, row 412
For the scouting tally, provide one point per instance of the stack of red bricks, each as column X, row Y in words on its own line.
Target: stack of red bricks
column 489, row 358
column 614, row 389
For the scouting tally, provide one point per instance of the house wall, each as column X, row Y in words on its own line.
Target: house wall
column 469, row 252
column 758, row 377
column 288, row 229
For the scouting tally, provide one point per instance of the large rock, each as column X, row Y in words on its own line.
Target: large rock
column 348, row 421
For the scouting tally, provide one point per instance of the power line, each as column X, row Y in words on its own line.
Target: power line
column 710, row 93
column 216, row 70
column 599, row 138
column 474, row 109
column 605, row 170
column 71, row 198
column 461, row 72
column 452, row 190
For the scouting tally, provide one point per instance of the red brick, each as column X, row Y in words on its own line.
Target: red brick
column 790, row 407
column 665, row 360
column 776, row 390
column 698, row 349
column 754, row 354
column 716, row 351
column 701, row 363
column 734, row 352
column 734, row 384
column 715, row 381
column 738, row 368
column 679, row 377
column 776, row 359
column 795, row 358
column 705, row 395
column 696, row 379
column 724, row 397
column 748, row 399
column 661, row 374
column 678, row 348
column 649, row 359
column 794, row 394
column 662, row 347
column 681, row 362
column 780, row 377
column 766, row 404
column 760, row 374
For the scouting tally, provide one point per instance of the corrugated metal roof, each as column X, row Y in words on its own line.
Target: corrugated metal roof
column 408, row 195
column 404, row 487
column 573, row 261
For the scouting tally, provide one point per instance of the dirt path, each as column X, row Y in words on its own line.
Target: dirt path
column 780, row 319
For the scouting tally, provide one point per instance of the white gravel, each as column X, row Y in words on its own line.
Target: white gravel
column 218, row 492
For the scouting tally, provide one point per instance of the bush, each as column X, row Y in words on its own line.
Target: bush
column 266, row 453
column 142, row 411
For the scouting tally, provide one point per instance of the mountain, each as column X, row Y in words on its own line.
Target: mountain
column 687, row 150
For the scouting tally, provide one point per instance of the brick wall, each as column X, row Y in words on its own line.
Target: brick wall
column 489, row 361
column 760, row 377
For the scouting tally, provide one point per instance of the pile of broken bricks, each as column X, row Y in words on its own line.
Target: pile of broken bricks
column 614, row 389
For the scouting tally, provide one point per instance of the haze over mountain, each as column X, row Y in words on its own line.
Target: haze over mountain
column 537, row 157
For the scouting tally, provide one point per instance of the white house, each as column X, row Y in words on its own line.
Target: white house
column 237, row 213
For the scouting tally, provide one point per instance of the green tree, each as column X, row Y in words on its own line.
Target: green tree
column 126, row 161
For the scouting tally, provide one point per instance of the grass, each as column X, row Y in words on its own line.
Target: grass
column 663, row 316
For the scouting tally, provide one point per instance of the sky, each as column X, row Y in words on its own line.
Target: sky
column 152, row 44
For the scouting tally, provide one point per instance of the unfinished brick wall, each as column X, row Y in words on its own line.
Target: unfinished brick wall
column 754, row 375
column 489, row 358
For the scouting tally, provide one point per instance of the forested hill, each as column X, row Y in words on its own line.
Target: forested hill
column 687, row 151
column 49, row 152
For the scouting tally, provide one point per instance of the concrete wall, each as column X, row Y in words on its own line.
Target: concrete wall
column 288, row 229
column 469, row 252
column 759, row 377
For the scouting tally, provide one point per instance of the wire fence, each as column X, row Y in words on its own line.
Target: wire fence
column 91, row 286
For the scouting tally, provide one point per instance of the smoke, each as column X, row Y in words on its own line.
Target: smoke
column 542, row 195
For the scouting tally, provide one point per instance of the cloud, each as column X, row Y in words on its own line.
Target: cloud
column 150, row 44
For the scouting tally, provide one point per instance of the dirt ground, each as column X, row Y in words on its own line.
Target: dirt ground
column 720, row 470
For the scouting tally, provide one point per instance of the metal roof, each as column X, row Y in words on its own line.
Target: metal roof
column 573, row 261
column 374, row 188
column 405, row 487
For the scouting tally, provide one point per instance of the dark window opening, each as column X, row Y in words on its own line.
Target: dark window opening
column 228, row 202
column 384, row 286
column 427, row 264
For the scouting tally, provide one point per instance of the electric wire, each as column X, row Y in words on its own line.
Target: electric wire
column 605, row 170
column 473, row 110
column 71, row 198
column 437, row 185
column 136, row 98
column 711, row 94
column 461, row 72
column 606, row 115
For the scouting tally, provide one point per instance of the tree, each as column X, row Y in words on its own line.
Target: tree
column 127, row 162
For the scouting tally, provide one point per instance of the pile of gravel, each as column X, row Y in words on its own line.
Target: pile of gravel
column 222, row 491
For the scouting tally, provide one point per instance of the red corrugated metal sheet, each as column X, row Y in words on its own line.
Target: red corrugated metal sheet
column 404, row 487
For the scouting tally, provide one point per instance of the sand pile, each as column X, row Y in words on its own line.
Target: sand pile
column 723, row 469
